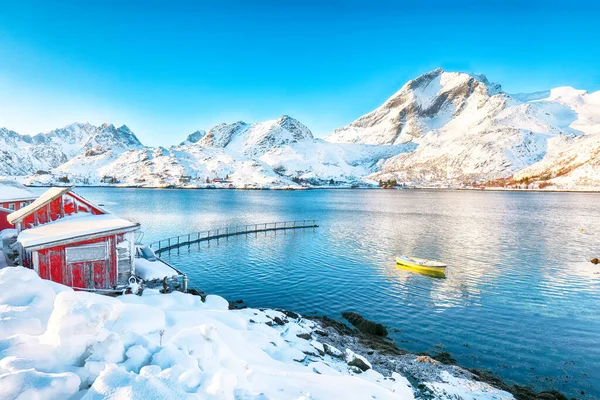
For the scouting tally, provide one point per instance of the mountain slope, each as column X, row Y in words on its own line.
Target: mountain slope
column 466, row 128
column 275, row 153
column 24, row 154
column 255, row 139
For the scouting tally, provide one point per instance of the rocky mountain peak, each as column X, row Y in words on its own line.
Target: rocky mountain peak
column 298, row 129
column 193, row 137
column 423, row 104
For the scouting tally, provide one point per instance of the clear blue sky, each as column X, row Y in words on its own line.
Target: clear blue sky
column 167, row 68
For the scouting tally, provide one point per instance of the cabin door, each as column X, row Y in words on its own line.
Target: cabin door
column 90, row 275
column 89, row 266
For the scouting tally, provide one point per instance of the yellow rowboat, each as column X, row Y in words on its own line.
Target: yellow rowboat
column 431, row 274
column 421, row 264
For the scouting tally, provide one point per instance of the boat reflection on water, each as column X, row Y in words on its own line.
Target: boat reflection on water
column 431, row 274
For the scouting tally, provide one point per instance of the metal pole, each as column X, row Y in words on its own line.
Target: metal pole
column 185, row 283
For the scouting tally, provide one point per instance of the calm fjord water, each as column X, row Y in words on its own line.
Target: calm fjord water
column 519, row 298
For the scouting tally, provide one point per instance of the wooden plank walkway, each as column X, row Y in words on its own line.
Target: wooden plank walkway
column 165, row 245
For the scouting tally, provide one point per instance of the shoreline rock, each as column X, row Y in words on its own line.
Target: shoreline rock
column 426, row 372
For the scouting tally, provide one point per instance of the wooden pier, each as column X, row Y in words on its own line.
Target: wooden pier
column 166, row 245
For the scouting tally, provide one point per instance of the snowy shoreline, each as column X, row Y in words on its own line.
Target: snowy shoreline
column 59, row 343
column 284, row 188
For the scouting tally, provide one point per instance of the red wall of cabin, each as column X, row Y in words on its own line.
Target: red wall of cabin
column 16, row 204
column 53, row 265
column 4, row 224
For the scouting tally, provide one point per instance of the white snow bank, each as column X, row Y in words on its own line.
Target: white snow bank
column 457, row 388
column 3, row 262
column 56, row 343
column 8, row 234
column 149, row 270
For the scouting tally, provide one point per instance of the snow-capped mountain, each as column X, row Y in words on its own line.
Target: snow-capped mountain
column 442, row 128
column 256, row 139
column 193, row 138
column 467, row 129
column 24, row 154
column 275, row 153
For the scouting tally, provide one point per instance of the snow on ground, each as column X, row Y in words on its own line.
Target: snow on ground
column 56, row 343
column 454, row 388
column 149, row 270
column 7, row 234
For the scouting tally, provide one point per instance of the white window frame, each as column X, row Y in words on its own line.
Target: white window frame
column 103, row 245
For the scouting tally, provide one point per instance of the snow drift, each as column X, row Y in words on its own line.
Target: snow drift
column 57, row 343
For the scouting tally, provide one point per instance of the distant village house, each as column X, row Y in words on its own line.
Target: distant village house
column 13, row 197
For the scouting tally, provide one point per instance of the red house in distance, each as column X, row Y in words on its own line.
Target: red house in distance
column 67, row 239
column 12, row 197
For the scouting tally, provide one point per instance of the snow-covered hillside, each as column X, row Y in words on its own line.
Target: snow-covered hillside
column 24, row 154
column 467, row 129
column 442, row 128
column 271, row 154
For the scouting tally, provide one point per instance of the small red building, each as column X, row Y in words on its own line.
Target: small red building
column 12, row 197
column 69, row 240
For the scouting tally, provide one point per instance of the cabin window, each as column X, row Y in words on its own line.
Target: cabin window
column 11, row 206
column 23, row 204
column 91, row 252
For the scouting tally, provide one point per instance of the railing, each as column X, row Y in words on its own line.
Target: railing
column 175, row 242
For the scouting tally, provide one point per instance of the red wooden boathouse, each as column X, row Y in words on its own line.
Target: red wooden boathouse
column 68, row 239
column 12, row 197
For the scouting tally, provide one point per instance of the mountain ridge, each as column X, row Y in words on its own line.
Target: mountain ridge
column 441, row 128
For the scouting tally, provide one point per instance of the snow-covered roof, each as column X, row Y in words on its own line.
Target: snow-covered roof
column 11, row 190
column 75, row 226
column 44, row 199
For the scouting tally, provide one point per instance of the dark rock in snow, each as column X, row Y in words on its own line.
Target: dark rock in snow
column 237, row 305
column 364, row 325
column 305, row 336
column 357, row 362
column 332, row 351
